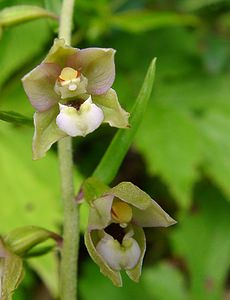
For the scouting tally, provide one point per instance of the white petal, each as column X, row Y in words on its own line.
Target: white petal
column 131, row 254
column 119, row 256
column 79, row 122
column 110, row 250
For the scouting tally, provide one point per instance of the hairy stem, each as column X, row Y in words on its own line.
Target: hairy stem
column 69, row 255
column 66, row 20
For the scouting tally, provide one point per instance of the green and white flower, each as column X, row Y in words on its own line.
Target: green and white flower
column 115, row 238
column 71, row 92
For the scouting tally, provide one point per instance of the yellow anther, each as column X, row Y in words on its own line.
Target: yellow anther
column 121, row 212
column 68, row 74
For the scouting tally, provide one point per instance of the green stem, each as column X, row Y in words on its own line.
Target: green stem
column 69, row 255
column 66, row 20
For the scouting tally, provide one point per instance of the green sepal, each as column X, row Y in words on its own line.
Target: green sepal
column 114, row 114
column 139, row 236
column 91, row 239
column 93, row 188
column 11, row 272
column 23, row 239
column 130, row 193
column 17, row 14
column 146, row 212
column 59, row 53
column 46, row 131
column 100, row 212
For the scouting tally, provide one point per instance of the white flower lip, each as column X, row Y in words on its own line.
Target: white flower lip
column 119, row 256
column 79, row 122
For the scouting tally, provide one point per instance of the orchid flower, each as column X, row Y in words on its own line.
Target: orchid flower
column 71, row 92
column 115, row 238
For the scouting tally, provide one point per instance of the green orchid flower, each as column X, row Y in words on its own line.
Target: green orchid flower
column 115, row 238
column 71, row 92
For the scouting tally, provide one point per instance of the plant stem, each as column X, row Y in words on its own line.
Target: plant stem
column 69, row 254
column 66, row 20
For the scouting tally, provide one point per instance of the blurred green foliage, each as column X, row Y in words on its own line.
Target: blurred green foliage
column 180, row 154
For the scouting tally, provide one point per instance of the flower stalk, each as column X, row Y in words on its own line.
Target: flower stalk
column 69, row 255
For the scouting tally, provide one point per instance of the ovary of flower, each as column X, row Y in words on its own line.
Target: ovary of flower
column 119, row 256
column 70, row 83
column 79, row 122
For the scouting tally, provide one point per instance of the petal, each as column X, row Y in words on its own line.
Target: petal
column 91, row 238
column 110, row 250
column 79, row 122
column 131, row 254
column 139, row 236
column 114, row 114
column 119, row 256
column 146, row 212
column 39, row 86
column 100, row 212
column 60, row 53
column 46, row 131
column 97, row 65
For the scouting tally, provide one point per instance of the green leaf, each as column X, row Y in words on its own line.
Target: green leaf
column 215, row 128
column 31, row 191
column 14, row 15
column 15, row 55
column 11, row 272
column 53, row 5
column 165, row 282
column 201, row 239
column 92, row 283
column 113, row 157
column 13, row 117
column 170, row 142
column 142, row 20
column 191, row 5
